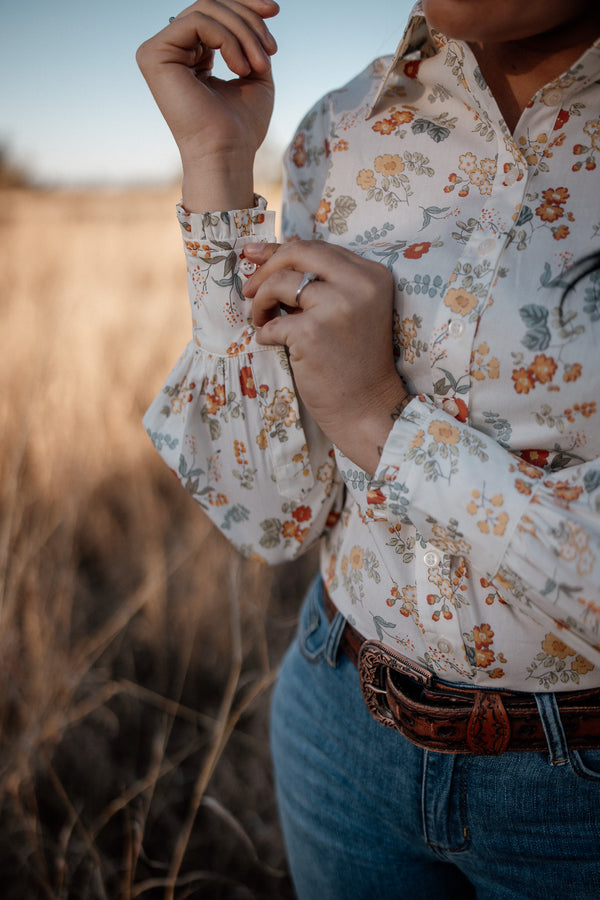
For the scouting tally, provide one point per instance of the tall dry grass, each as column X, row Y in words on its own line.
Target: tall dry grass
column 136, row 648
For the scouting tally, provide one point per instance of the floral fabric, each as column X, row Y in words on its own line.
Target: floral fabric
column 475, row 548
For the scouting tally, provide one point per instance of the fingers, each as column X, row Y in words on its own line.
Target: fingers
column 232, row 27
column 299, row 256
column 281, row 289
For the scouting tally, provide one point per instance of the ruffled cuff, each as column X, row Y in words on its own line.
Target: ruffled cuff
column 224, row 382
column 217, row 269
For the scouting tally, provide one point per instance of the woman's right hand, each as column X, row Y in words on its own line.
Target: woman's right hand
column 218, row 125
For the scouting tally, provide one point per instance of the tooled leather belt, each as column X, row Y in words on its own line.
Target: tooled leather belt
column 453, row 719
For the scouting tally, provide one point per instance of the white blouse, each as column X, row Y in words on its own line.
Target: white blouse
column 475, row 548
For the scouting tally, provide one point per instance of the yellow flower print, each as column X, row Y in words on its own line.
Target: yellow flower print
column 572, row 372
column 443, row 432
column 366, row 179
column 356, row 557
column 543, row 368
column 553, row 646
column 488, row 166
column 418, row 439
column 323, row 211
column 592, row 129
column 388, row 164
column 482, row 368
column 281, row 409
column 468, row 163
column 486, row 507
column 581, row 665
column 460, row 301
column 261, row 440
column 406, row 334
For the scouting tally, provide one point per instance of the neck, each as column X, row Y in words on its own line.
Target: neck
column 516, row 70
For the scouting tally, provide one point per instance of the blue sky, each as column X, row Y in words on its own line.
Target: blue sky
column 75, row 110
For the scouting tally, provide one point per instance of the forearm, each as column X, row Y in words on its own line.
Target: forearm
column 221, row 181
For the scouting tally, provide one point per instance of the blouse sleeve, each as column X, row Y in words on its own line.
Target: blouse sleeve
column 228, row 421
column 535, row 535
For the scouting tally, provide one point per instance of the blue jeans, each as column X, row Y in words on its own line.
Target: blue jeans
column 366, row 814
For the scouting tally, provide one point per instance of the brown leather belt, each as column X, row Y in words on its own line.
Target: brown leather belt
column 452, row 719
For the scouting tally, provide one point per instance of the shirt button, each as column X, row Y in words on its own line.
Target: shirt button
column 247, row 267
column 444, row 646
column 431, row 558
column 457, row 328
column 552, row 96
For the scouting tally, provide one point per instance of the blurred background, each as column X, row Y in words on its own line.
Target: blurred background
column 137, row 651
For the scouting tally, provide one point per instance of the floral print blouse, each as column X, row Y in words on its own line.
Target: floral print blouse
column 475, row 548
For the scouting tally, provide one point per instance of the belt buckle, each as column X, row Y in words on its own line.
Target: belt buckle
column 374, row 658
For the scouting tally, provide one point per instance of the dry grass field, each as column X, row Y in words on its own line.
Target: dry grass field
column 136, row 649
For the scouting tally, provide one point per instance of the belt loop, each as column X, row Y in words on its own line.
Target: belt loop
column 332, row 645
column 555, row 736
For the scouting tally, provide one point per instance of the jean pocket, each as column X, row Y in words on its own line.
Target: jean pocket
column 586, row 764
column 318, row 638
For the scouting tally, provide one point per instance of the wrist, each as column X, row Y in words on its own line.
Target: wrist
column 364, row 439
column 212, row 183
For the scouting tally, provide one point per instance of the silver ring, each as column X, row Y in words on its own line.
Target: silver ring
column 172, row 19
column 306, row 279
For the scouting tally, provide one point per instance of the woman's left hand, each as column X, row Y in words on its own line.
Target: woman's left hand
column 339, row 338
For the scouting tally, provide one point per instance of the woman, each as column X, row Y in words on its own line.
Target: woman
column 433, row 423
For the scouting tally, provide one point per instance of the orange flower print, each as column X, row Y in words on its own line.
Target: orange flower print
column 289, row 529
column 216, row 400
column 523, row 380
column 460, row 301
column 553, row 202
column 323, row 211
column 549, row 213
column 416, row 251
column 543, row 368
column 281, row 409
column 418, row 439
column 356, row 557
column 560, row 233
column 572, row 373
column 553, row 646
column 389, row 164
column 563, row 490
column 385, row 126
column 261, row 440
column 366, row 179
column 443, row 432
column 299, row 150
column 302, row 513
column 523, row 487
column 247, row 382
column 402, row 117
column 405, row 333
column 483, row 635
column 556, row 195
column 581, row 665
column 491, row 521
